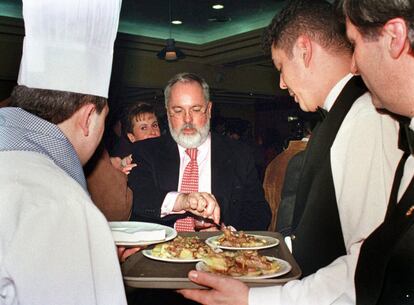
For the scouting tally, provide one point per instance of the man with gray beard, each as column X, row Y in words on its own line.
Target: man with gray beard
column 191, row 178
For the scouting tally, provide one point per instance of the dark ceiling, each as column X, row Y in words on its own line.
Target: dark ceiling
column 200, row 36
column 201, row 23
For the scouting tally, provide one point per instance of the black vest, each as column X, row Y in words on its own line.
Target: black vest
column 317, row 236
column 385, row 269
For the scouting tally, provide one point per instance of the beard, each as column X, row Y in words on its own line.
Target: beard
column 190, row 141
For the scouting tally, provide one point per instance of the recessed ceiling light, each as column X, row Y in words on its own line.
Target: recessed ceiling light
column 176, row 22
column 218, row 6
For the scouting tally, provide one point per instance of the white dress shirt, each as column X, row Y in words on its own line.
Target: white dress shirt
column 204, row 174
column 364, row 157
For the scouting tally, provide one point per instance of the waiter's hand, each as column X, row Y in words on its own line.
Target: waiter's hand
column 200, row 204
column 224, row 290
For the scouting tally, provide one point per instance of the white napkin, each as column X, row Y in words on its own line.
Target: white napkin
column 136, row 235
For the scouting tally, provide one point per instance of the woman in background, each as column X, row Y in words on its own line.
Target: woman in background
column 107, row 175
column 139, row 123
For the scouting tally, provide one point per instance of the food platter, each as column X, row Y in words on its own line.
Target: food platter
column 285, row 267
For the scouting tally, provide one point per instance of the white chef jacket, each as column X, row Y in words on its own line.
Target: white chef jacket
column 55, row 245
column 364, row 157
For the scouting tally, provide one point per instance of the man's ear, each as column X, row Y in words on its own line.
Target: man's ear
column 304, row 49
column 85, row 117
column 209, row 105
column 396, row 30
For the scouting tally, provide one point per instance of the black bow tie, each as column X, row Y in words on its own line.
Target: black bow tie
column 406, row 137
column 322, row 112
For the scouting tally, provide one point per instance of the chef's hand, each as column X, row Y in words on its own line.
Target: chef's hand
column 224, row 290
column 124, row 253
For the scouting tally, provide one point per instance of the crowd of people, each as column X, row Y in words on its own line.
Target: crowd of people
column 352, row 61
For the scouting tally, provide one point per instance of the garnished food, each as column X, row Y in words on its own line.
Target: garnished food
column 239, row 239
column 241, row 263
column 182, row 248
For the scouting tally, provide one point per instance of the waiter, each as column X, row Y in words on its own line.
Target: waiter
column 384, row 30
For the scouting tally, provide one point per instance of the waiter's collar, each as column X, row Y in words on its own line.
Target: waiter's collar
column 335, row 91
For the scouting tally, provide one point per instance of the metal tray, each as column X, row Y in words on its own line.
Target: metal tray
column 141, row 272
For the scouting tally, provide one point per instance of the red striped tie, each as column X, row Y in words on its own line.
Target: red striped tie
column 189, row 184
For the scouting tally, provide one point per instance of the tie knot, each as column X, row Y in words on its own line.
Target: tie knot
column 192, row 153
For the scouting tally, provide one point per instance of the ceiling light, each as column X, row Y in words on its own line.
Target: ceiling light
column 170, row 52
column 218, row 6
column 176, row 22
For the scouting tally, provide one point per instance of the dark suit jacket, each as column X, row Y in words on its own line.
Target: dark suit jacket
column 235, row 183
column 385, row 270
column 288, row 194
column 393, row 284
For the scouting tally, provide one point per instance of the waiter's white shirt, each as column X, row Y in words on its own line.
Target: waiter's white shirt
column 364, row 157
column 204, row 174
column 55, row 245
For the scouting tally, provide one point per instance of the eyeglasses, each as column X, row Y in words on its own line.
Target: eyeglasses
column 196, row 111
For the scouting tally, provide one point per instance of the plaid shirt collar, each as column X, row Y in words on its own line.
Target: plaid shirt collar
column 23, row 131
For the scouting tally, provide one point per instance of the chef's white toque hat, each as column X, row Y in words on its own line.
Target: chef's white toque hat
column 68, row 45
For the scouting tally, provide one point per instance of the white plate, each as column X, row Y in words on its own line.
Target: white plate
column 270, row 242
column 148, row 254
column 285, row 267
column 170, row 233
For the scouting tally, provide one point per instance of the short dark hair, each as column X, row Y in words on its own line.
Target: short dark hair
column 186, row 77
column 370, row 15
column 138, row 109
column 315, row 18
column 52, row 105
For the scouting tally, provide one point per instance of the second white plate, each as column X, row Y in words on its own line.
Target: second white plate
column 270, row 242
column 285, row 267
